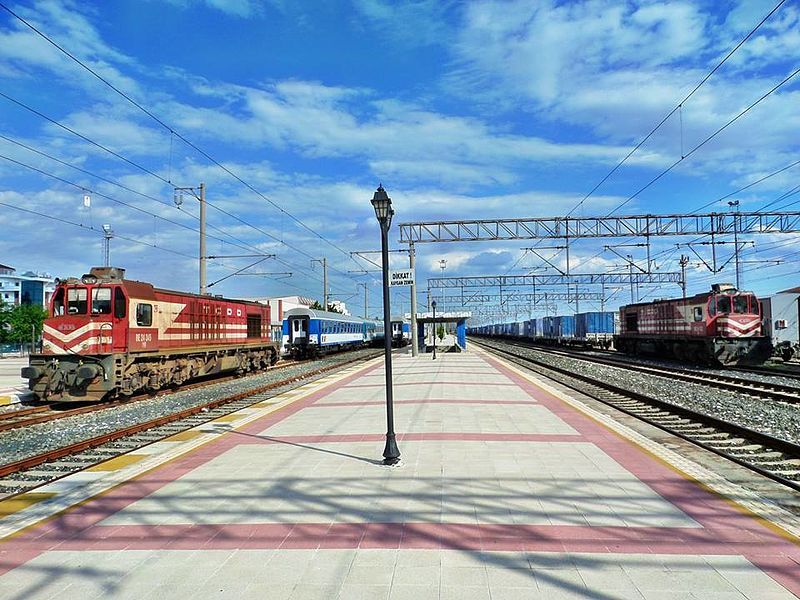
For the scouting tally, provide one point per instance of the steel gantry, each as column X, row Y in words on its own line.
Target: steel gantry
column 550, row 228
column 539, row 280
column 515, row 297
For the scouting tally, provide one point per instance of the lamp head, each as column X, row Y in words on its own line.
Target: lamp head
column 382, row 205
column 433, row 304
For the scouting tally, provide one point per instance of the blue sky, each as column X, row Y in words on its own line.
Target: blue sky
column 461, row 109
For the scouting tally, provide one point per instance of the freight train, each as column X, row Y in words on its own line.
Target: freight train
column 107, row 336
column 581, row 330
column 720, row 327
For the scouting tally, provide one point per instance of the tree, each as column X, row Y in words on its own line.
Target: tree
column 440, row 332
column 5, row 326
column 316, row 305
column 25, row 322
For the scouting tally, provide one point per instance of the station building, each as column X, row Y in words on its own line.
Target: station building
column 25, row 288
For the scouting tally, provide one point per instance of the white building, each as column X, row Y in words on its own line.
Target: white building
column 278, row 307
column 25, row 288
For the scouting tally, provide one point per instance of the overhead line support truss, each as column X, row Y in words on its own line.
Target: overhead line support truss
column 546, row 228
column 554, row 279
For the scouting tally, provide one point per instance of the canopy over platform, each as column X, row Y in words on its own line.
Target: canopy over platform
column 457, row 317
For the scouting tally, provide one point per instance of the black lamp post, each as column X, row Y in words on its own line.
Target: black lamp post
column 383, row 211
column 433, row 306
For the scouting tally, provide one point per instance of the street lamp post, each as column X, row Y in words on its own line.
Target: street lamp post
column 384, row 213
column 433, row 306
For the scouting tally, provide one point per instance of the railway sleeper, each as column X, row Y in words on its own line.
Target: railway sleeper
column 719, row 436
column 731, row 442
column 747, row 450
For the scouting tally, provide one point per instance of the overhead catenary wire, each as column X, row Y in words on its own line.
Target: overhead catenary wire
column 678, row 107
column 707, row 139
column 172, row 131
column 121, row 186
column 160, row 178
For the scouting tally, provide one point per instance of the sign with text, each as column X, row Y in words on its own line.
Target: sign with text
column 404, row 277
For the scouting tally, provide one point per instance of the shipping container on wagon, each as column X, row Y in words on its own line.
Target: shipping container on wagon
column 538, row 327
column 565, row 326
column 591, row 325
column 549, row 327
column 530, row 328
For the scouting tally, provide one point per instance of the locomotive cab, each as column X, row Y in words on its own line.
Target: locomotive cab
column 87, row 323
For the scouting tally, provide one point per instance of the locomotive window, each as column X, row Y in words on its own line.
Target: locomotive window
column 740, row 305
column 723, row 304
column 77, row 301
column 144, row 315
column 119, row 303
column 58, row 303
column 101, row 301
column 698, row 313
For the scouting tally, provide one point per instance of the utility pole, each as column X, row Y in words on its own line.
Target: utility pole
column 108, row 233
column 178, row 198
column 683, row 262
column 442, row 267
column 366, row 298
column 630, row 271
column 412, row 264
column 203, row 280
column 735, row 204
column 577, row 300
column 324, row 262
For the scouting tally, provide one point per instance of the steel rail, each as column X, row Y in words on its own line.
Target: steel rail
column 749, row 387
column 39, row 459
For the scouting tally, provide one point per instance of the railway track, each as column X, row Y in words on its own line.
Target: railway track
column 759, row 389
column 43, row 413
column 31, row 472
column 767, row 455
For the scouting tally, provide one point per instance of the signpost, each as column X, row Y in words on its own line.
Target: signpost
column 401, row 278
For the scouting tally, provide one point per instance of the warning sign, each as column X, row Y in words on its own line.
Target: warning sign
column 404, row 277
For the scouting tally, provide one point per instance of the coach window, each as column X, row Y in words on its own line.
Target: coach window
column 144, row 315
column 58, row 303
column 101, row 301
column 698, row 313
column 120, row 303
column 77, row 301
column 712, row 307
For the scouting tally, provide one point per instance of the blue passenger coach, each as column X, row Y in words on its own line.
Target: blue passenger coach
column 308, row 332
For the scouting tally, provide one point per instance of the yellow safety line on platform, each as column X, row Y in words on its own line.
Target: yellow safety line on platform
column 115, row 464
column 184, row 436
column 195, row 439
column 18, row 503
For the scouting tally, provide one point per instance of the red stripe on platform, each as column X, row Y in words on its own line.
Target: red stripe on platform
column 401, row 384
column 759, row 545
column 423, row 401
column 414, row 437
column 446, row 536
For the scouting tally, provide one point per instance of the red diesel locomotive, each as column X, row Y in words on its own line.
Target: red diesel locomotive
column 722, row 327
column 108, row 336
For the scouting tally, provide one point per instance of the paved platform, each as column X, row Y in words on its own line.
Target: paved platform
column 507, row 489
column 13, row 388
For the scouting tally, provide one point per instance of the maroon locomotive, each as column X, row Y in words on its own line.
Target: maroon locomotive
column 108, row 336
column 721, row 327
